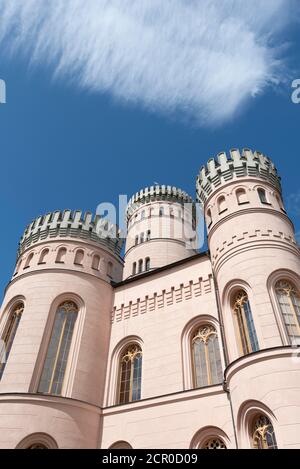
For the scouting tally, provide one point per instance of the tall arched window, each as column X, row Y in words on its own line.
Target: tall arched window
column 245, row 324
column 134, row 268
column 148, row 237
column 142, row 238
column 55, row 364
column 130, row 376
column 147, row 264
column 136, row 240
column 61, row 255
column 289, row 302
column 206, row 356
column 161, row 211
column 262, row 432
column 140, row 266
column 9, row 335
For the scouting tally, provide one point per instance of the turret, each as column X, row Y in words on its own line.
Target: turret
column 161, row 224
column 55, row 321
column 256, row 265
column 249, row 233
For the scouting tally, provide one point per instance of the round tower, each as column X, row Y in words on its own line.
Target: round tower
column 55, row 322
column 161, row 223
column 256, row 265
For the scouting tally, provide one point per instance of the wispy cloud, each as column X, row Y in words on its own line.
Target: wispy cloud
column 200, row 58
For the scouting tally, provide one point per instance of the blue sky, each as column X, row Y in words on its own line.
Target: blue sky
column 69, row 142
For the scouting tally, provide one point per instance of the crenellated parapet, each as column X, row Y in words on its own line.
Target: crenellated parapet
column 155, row 194
column 72, row 224
column 236, row 164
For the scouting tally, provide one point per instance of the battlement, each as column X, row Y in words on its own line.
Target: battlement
column 72, row 224
column 157, row 193
column 236, row 164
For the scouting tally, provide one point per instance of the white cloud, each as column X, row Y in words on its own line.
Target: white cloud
column 200, row 58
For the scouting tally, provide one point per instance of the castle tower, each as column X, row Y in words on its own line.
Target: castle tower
column 160, row 229
column 61, row 290
column 256, row 264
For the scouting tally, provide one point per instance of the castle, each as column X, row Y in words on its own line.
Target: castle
column 168, row 347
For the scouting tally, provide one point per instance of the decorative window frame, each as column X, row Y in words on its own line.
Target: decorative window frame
column 69, row 376
column 230, row 325
column 37, row 438
column 8, row 309
column 247, row 411
column 205, row 433
column 5, row 316
column 281, row 274
column 186, row 349
column 112, row 390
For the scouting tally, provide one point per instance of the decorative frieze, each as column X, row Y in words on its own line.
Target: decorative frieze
column 163, row 299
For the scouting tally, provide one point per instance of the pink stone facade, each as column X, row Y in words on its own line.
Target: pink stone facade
column 157, row 299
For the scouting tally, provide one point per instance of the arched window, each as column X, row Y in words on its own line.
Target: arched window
column 121, row 445
column 142, row 238
column 209, row 217
column 262, row 196
column 61, row 255
column 37, row 446
column 214, row 443
column 96, row 262
column 148, row 237
column 262, row 432
column 161, row 211
column 206, row 356
column 210, row 438
column 171, row 212
column 134, row 268
column 28, row 261
column 109, row 269
column 79, row 257
column 289, row 302
column 136, row 240
column 130, row 374
column 38, row 441
column 43, row 256
column 222, row 204
column 56, row 360
column 147, row 264
column 241, row 197
column 245, row 324
column 9, row 335
column 140, row 266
